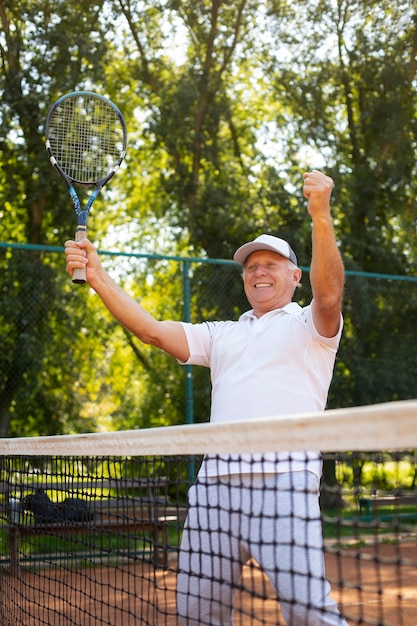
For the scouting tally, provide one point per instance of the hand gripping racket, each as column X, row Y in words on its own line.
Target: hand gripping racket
column 86, row 141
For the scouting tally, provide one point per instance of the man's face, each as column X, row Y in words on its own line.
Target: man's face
column 269, row 280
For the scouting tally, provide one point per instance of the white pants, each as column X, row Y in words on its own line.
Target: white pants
column 274, row 519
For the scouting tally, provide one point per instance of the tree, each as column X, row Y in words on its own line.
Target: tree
column 45, row 51
column 226, row 104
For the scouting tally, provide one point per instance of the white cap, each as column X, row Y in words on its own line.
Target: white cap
column 265, row 242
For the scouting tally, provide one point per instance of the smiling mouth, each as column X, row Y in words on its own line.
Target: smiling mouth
column 261, row 285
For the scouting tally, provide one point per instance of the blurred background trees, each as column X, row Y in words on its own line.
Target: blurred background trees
column 227, row 103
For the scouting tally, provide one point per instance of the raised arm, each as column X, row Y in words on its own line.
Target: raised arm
column 167, row 335
column 326, row 270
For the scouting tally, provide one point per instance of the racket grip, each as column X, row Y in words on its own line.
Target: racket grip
column 79, row 276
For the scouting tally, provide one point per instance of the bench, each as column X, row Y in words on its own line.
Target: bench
column 113, row 506
column 370, row 505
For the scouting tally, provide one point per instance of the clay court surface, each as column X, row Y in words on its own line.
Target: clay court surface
column 137, row 594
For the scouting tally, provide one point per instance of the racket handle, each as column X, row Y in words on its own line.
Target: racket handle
column 79, row 276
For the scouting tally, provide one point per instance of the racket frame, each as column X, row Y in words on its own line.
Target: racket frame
column 79, row 275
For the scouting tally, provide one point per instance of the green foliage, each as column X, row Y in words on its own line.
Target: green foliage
column 383, row 472
column 226, row 103
column 46, row 51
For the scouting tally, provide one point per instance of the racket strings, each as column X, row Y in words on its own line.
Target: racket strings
column 86, row 138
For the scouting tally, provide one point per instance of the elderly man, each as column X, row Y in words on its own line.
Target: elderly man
column 276, row 359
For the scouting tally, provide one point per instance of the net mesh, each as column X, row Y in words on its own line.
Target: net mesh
column 92, row 533
column 86, row 136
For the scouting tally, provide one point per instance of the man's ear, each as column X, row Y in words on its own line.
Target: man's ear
column 297, row 276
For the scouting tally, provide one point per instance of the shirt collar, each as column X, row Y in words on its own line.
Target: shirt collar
column 291, row 308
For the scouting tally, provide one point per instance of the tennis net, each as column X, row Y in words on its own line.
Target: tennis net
column 91, row 525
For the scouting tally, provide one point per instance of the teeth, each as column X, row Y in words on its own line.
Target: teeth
column 263, row 285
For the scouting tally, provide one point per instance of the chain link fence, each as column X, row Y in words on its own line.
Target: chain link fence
column 66, row 365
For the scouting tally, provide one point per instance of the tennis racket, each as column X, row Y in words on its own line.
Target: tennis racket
column 86, row 141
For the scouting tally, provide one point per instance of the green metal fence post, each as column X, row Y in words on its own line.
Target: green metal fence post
column 189, row 392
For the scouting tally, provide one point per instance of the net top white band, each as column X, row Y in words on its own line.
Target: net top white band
column 390, row 426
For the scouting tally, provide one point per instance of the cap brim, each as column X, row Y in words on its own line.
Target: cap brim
column 244, row 251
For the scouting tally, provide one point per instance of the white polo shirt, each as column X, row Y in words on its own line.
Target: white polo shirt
column 277, row 364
